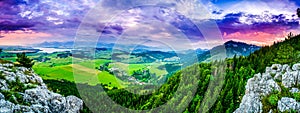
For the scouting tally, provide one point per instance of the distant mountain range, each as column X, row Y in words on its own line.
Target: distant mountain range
column 55, row 45
column 232, row 48
column 65, row 45
column 239, row 48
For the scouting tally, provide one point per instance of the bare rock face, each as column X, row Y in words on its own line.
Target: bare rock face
column 260, row 84
column 287, row 104
column 3, row 85
column 294, row 90
column 2, row 96
column 251, row 104
column 73, row 104
column 39, row 98
column 264, row 84
column 6, row 106
column 290, row 79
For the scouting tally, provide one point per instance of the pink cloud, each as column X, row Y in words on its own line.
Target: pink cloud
column 23, row 38
column 257, row 38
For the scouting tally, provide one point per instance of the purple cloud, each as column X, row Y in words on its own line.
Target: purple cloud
column 13, row 26
column 242, row 22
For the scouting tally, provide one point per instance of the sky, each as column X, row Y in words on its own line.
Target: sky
column 183, row 23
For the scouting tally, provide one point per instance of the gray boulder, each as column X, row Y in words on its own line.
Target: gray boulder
column 10, row 76
column 22, row 109
column 37, row 108
column 1, row 96
column 258, row 86
column 57, row 103
column 6, row 106
column 73, row 104
column 37, row 96
column 3, row 85
column 276, row 68
column 288, row 104
column 290, row 79
column 294, row 90
column 296, row 67
column 261, row 85
column 40, row 98
column 250, row 104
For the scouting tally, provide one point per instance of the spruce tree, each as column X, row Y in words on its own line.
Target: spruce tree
column 24, row 60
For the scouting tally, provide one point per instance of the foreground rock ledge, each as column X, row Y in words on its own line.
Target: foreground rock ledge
column 264, row 84
column 38, row 98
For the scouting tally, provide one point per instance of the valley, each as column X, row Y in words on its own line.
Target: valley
column 116, row 77
column 57, row 63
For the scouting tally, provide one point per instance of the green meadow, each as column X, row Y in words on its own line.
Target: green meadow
column 85, row 71
column 60, row 66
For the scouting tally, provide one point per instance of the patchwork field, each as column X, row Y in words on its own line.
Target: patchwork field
column 129, row 68
column 80, row 73
column 59, row 66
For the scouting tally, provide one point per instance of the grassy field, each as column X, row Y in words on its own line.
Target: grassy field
column 12, row 59
column 77, row 73
column 129, row 68
column 83, row 72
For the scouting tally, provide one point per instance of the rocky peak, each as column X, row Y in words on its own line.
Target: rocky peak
column 21, row 90
column 266, row 83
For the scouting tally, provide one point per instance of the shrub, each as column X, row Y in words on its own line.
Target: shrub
column 296, row 96
column 2, row 75
column 24, row 60
column 27, row 73
column 273, row 99
column 4, row 61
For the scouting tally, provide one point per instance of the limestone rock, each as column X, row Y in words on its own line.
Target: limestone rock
column 37, row 108
column 276, row 68
column 37, row 96
column 23, row 109
column 290, row 79
column 294, row 90
column 251, row 104
column 296, row 67
column 6, row 107
column 74, row 104
column 264, row 84
column 57, row 103
column 3, row 85
column 41, row 100
column 1, row 96
column 288, row 104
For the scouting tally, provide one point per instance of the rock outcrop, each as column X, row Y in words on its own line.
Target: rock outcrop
column 287, row 104
column 29, row 94
column 264, row 84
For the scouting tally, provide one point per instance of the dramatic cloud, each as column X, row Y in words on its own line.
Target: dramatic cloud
column 255, row 21
column 24, row 38
column 13, row 26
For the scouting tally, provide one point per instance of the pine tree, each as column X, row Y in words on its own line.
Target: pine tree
column 219, row 108
column 24, row 60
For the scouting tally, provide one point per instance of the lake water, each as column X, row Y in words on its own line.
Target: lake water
column 51, row 50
